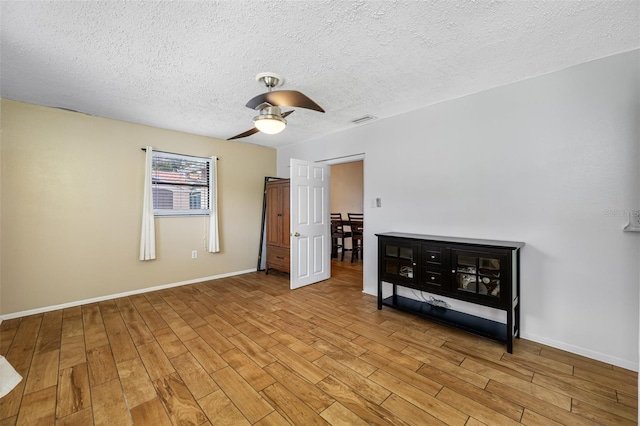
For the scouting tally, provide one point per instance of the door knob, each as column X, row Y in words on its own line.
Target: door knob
column 297, row 234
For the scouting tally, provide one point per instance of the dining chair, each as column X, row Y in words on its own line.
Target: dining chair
column 356, row 222
column 338, row 235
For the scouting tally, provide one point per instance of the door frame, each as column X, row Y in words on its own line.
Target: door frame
column 352, row 158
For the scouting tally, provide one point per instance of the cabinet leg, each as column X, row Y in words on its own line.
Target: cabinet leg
column 510, row 329
column 517, row 320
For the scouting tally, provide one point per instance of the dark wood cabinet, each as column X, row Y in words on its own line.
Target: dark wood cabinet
column 484, row 272
column 278, row 225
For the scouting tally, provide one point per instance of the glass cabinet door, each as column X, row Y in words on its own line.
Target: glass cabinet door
column 477, row 273
column 398, row 262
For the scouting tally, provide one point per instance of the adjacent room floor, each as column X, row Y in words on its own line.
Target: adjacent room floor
column 247, row 350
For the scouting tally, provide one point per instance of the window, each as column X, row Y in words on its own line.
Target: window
column 180, row 184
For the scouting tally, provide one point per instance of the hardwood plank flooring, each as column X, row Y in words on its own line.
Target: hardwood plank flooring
column 247, row 350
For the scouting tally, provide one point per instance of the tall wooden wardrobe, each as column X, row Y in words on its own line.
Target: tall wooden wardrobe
column 278, row 226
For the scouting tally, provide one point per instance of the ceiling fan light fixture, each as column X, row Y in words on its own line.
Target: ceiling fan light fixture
column 270, row 125
column 270, row 121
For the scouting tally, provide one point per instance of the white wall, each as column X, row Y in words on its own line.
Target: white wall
column 552, row 161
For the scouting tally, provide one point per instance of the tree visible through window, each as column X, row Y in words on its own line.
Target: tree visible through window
column 180, row 184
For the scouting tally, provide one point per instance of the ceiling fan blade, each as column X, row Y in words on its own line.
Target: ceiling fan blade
column 284, row 114
column 290, row 98
column 244, row 134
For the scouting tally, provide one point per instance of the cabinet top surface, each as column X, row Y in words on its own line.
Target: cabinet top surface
column 275, row 181
column 439, row 238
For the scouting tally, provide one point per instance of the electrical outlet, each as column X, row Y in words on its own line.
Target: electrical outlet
column 194, row 254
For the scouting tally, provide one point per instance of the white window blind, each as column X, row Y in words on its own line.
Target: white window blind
column 180, row 184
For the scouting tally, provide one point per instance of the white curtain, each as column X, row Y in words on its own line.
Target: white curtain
column 148, row 233
column 214, row 240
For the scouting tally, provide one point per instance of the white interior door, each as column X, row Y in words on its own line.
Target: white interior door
column 310, row 227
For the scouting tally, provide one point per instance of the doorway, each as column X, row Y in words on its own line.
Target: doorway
column 346, row 193
column 347, row 196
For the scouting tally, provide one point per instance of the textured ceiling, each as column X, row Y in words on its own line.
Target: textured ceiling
column 190, row 66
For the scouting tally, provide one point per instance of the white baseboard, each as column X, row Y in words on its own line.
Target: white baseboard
column 117, row 295
column 629, row 365
column 618, row 362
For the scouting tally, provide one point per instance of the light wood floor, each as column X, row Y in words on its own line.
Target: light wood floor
column 247, row 350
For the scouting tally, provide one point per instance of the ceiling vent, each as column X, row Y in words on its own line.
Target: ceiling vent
column 363, row 119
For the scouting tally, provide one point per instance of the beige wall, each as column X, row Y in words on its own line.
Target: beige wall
column 347, row 188
column 71, row 205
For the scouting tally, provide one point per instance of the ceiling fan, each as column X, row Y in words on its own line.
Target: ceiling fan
column 271, row 119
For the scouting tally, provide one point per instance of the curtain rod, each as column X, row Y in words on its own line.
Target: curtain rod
column 175, row 153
